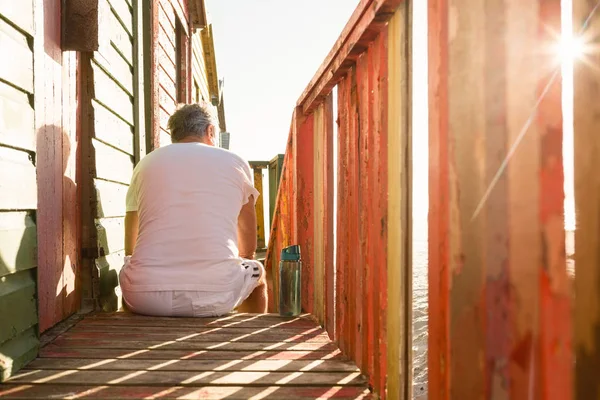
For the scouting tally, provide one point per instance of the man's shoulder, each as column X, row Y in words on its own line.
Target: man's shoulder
column 229, row 155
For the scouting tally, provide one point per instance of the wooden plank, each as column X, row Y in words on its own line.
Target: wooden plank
column 52, row 350
column 166, row 34
column 364, row 193
column 111, row 235
column 18, row 242
column 260, row 208
column 17, row 352
column 188, row 345
column 328, row 216
column 438, row 356
column 166, row 56
column 111, row 129
column 342, row 215
column 184, row 378
column 124, row 14
column 19, row 71
column 246, row 333
column 18, row 308
column 266, row 319
column 69, row 278
column 174, row 392
column 250, row 323
column 216, row 336
column 555, row 330
column 399, row 226
column 368, row 19
column 115, row 66
column 304, row 175
column 21, row 16
column 587, row 202
column 16, row 119
column 110, row 199
column 17, row 181
column 524, row 241
column 119, row 38
column 115, row 364
column 354, row 271
column 318, row 281
column 112, row 164
column 112, row 96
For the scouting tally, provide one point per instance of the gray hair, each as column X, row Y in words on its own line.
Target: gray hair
column 192, row 120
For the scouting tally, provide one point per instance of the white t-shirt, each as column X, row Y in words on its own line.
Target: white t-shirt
column 188, row 197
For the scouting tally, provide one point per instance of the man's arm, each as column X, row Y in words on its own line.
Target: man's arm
column 247, row 230
column 131, row 231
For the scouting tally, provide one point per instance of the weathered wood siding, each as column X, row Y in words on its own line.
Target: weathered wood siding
column 171, row 65
column 363, row 299
column 200, row 89
column 499, row 293
column 111, row 146
column 18, row 190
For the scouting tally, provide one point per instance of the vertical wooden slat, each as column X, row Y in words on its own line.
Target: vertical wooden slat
column 555, row 303
column 327, row 194
column 260, row 208
column 304, row 176
column 364, row 212
column 587, row 201
column 438, row 356
column 399, row 271
column 342, row 216
column 382, row 249
column 318, row 277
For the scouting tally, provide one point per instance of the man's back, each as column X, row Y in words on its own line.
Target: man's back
column 188, row 197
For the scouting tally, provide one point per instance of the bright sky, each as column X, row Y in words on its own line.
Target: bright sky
column 268, row 51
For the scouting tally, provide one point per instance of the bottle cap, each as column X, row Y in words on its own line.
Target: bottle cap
column 291, row 253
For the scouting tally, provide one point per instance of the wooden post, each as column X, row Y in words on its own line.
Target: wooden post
column 587, row 202
column 499, row 300
column 260, row 208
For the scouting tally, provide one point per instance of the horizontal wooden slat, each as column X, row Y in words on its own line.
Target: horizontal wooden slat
column 112, row 96
column 16, row 119
column 21, row 16
column 166, row 101
column 167, row 78
column 111, row 198
column 112, row 164
column 18, row 70
column 269, row 336
column 233, row 330
column 166, row 33
column 115, row 364
column 124, row 13
column 115, row 65
column 190, row 378
column 18, row 242
column 167, row 14
column 112, row 130
column 108, row 343
column 112, row 31
column 167, row 57
column 18, row 186
column 266, row 320
column 157, row 354
column 178, row 392
column 18, row 308
column 17, row 352
column 111, row 234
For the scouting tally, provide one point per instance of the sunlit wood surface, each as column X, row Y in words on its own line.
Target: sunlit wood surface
column 242, row 356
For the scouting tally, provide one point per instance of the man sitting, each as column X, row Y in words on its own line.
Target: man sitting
column 190, row 227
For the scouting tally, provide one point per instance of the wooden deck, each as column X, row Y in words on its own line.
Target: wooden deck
column 242, row 356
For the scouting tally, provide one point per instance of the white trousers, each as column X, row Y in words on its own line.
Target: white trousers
column 187, row 303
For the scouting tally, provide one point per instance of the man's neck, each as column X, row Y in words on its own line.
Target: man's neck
column 196, row 139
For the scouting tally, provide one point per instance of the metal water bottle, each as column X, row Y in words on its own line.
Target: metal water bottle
column 290, row 269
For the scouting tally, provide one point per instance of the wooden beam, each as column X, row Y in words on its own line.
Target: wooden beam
column 369, row 17
column 587, row 205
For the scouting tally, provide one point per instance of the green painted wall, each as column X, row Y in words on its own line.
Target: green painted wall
column 19, row 341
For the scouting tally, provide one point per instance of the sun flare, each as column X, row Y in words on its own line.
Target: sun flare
column 570, row 48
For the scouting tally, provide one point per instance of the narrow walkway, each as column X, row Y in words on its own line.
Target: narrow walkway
column 242, row 356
